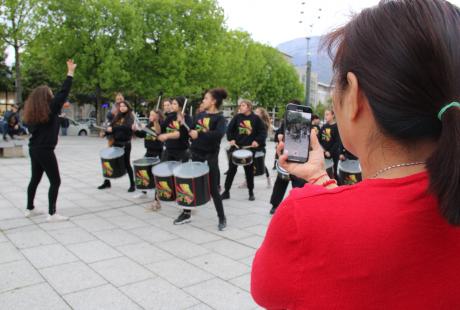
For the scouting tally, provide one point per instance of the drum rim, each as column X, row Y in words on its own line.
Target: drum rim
column 165, row 163
column 115, row 148
column 156, row 160
column 249, row 153
column 341, row 169
column 182, row 165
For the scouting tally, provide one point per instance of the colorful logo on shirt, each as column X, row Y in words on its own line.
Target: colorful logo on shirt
column 173, row 126
column 326, row 135
column 185, row 194
column 245, row 128
column 203, row 124
column 149, row 137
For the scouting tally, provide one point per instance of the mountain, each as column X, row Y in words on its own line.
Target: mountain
column 321, row 63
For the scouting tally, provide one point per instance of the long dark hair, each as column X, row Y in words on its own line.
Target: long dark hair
column 406, row 56
column 37, row 106
column 125, row 118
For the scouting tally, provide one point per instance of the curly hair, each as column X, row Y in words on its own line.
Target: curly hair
column 37, row 106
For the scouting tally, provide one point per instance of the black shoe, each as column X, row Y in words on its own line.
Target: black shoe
column 104, row 185
column 222, row 224
column 131, row 189
column 272, row 210
column 225, row 195
column 226, row 172
column 183, row 218
column 251, row 196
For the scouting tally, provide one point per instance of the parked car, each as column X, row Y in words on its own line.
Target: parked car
column 88, row 121
column 77, row 129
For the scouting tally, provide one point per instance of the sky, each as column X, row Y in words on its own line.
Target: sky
column 277, row 21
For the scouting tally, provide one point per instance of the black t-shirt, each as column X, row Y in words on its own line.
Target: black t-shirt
column 211, row 128
column 46, row 135
column 245, row 129
column 150, row 142
column 122, row 124
column 330, row 139
column 171, row 124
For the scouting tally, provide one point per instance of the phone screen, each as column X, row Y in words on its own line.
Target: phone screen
column 297, row 132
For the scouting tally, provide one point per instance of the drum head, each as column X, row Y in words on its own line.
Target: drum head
column 165, row 169
column 349, row 166
column 148, row 161
column 112, row 152
column 191, row 169
column 242, row 154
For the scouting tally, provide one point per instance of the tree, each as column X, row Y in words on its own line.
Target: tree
column 19, row 23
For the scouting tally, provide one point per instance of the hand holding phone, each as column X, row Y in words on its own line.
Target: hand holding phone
column 297, row 127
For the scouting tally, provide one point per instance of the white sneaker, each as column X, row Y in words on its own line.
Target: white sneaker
column 33, row 212
column 56, row 218
column 140, row 195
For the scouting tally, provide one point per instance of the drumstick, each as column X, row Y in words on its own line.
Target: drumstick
column 183, row 109
column 159, row 100
column 149, row 131
column 99, row 127
column 185, row 105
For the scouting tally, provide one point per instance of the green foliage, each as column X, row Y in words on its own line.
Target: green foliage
column 144, row 47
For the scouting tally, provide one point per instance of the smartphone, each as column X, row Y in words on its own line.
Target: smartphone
column 297, row 128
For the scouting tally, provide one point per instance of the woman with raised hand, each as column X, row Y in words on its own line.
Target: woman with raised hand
column 393, row 240
column 41, row 114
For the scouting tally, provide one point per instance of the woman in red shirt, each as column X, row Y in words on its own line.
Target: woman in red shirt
column 391, row 241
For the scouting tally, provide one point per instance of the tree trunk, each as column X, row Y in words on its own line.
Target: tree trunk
column 18, row 82
column 99, row 117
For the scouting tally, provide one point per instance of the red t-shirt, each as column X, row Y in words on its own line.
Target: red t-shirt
column 379, row 244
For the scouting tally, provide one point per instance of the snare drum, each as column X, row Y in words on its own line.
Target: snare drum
column 259, row 163
column 329, row 164
column 283, row 174
column 113, row 164
column 349, row 172
column 143, row 172
column 192, row 184
column 164, row 180
column 242, row 157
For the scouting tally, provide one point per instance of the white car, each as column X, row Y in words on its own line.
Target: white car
column 77, row 129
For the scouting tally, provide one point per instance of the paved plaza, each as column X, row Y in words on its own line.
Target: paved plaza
column 113, row 254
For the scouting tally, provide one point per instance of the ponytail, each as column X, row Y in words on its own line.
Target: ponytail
column 444, row 167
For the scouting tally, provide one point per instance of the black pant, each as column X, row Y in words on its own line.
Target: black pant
column 43, row 160
column 279, row 189
column 153, row 153
column 248, row 171
column 127, row 160
column 176, row 155
column 214, row 175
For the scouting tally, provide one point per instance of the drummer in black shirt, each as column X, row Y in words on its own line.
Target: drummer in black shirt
column 207, row 132
column 174, row 134
column 245, row 130
column 329, row 138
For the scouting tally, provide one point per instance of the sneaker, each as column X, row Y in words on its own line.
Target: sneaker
column 33, row 212
column 225, row 195
column 105, row 185
column 272, row 210
column 243, row 185
column 222, row 224
column 269, row 182
column 183, row 218
column 131, row 189
column 56, row 218
column 140, row 195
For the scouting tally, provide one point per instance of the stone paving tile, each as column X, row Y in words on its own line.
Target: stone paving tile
column 49, row 255
column 18, row 274
column 94, row 224
column 100, row 298
column 36, row 297
column 221, row 295
column 220, row 265
column 93, row 251
column 57, row 226
column 72, row 277
column 254, row 241
column 179, row 272
column 72, row 235
column 121, row 271
column 127, row 222
column 200, row 307
column 9, row 253
column 153, row 234
column 243, row 282
column 229, row 248
column 144, row 253
column 117, row 237
column 182, row 248
column 14, row 223
column 3, row 238
column 195, row 235
column 159, row 294
column 10, row 213
column 29, row 236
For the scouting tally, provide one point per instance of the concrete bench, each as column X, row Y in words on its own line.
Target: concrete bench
column 11, row 149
